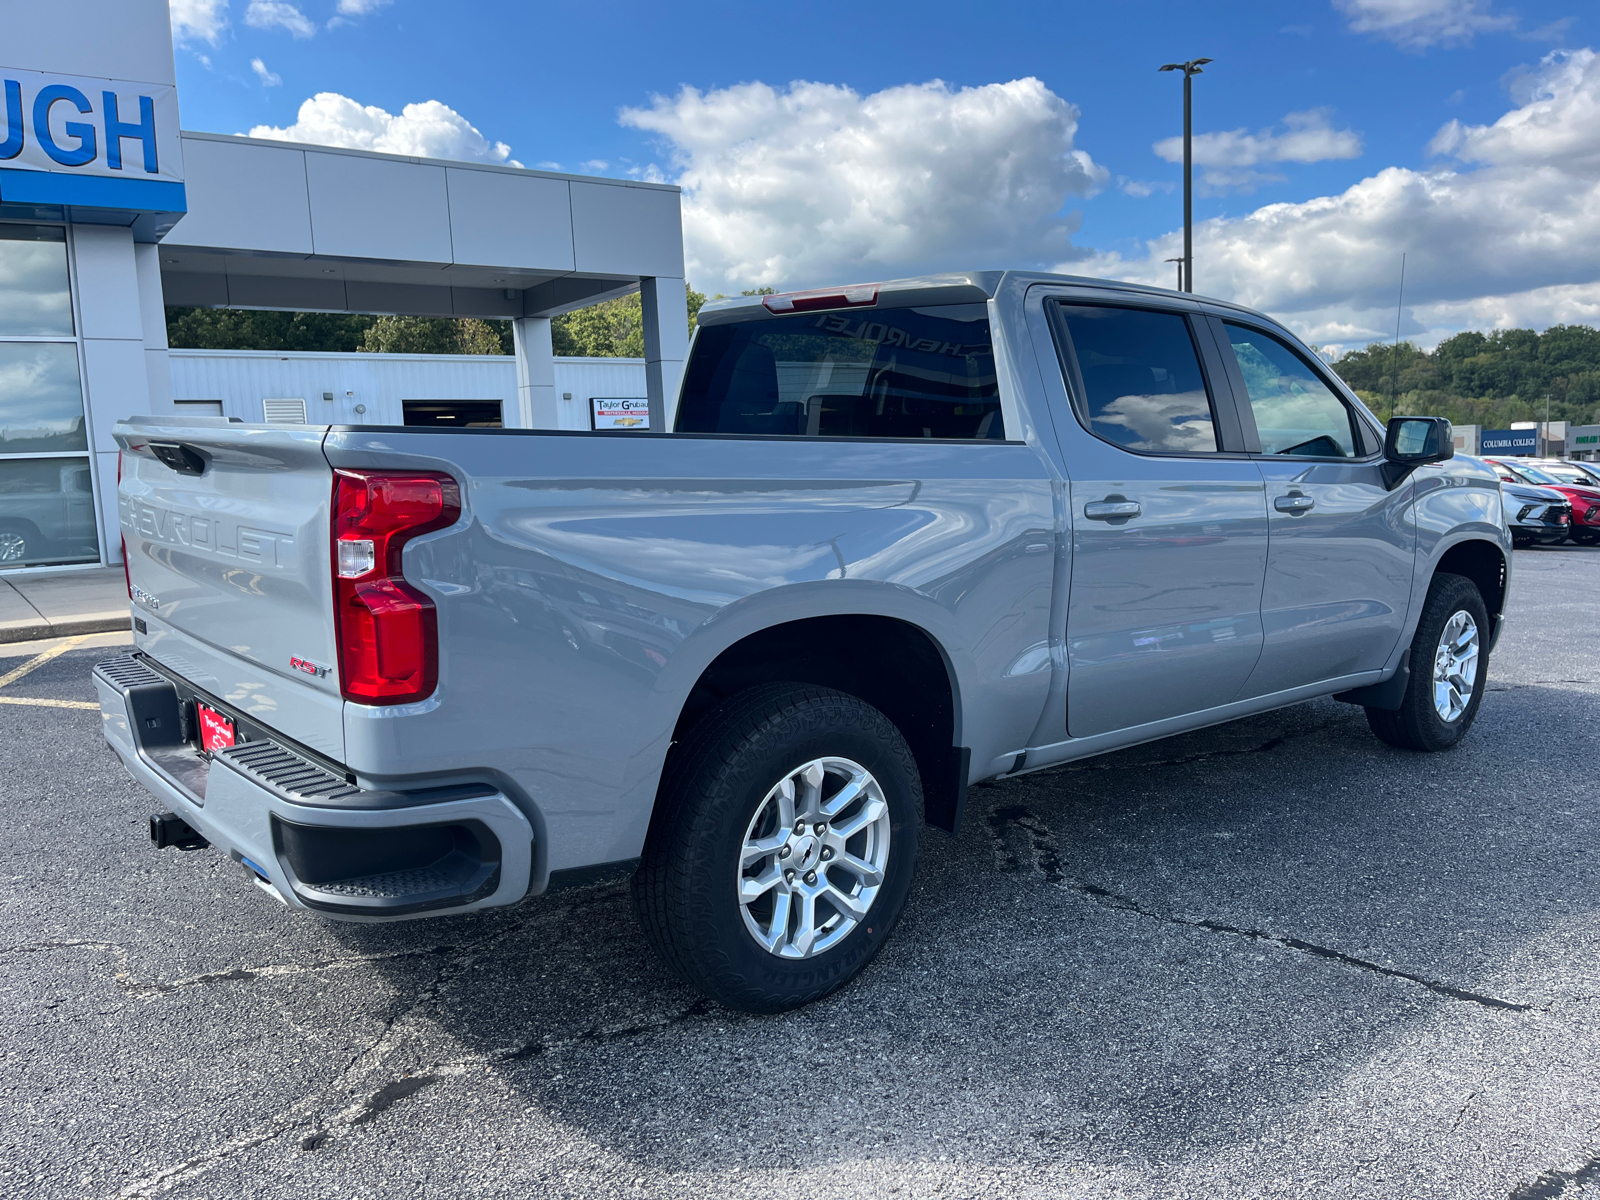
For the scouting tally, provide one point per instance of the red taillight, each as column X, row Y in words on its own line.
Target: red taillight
column 388, row 631
column 859, row 296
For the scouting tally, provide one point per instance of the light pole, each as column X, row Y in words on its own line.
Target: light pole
column 1179, row 261
column 1190, row 69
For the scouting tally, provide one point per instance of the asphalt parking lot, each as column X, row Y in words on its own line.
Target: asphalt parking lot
column 1272, row 959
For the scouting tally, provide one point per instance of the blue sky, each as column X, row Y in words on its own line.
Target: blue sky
column 1375, row 81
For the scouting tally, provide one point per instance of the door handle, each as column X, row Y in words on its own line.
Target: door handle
column 1107, row 510
column 1294, row 505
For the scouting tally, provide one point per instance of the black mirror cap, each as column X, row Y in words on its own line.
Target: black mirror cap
column 1413, row 441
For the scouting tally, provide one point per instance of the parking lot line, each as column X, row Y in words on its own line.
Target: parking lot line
column 33, row 664
column 42, row 703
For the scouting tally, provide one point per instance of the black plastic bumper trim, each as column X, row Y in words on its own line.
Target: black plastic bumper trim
column 389, row 871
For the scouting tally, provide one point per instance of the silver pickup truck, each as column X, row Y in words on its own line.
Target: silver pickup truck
column 901, row 538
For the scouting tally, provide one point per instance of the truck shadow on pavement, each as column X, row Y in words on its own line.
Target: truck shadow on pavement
column 1164, row 954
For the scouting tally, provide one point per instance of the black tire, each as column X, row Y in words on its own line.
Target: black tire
column 685, row 892
column 1416, row 724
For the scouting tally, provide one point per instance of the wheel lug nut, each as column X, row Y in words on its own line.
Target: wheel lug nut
column 788, row 876
column 827, row 853
column 819, row 829
column 811, row 876
column 799, row 828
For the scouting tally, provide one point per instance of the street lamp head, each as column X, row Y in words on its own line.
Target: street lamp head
column 1192, row 67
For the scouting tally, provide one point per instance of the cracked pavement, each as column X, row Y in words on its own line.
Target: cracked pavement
column 1276, row 958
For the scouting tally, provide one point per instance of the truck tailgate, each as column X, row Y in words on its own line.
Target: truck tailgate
column 227, row 543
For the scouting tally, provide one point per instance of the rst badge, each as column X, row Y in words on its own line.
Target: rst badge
column 309, row 667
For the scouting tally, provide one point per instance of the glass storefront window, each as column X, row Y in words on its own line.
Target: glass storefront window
column 35, row 299
column 41, row 399
column 46, row 512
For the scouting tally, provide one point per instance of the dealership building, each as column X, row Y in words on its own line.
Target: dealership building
column 109, row 212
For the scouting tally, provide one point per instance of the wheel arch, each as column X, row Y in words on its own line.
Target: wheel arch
column 1484, row 563
column 894, row 664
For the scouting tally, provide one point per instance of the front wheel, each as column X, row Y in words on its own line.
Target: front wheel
column 1449, row 667
column 782, row 847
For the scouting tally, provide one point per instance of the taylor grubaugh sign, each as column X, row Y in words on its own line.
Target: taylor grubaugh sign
column 608, row 413
column 71, row 123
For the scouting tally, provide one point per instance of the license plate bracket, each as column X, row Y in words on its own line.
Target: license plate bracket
column 216, row 729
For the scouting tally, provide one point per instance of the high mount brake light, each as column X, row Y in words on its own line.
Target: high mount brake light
column 388, row 632
column 859, row 296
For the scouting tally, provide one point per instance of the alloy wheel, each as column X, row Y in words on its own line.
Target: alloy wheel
column 813, row 858
column 1455, row 666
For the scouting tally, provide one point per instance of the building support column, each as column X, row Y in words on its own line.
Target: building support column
column 666, row 345
column 153, row 319
column 106, row 282
column 536, row 374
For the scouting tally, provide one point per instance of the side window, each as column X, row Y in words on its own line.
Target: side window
column 1141, row 386
column 1295, row 412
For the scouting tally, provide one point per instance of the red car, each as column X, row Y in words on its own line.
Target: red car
column 1585, row 499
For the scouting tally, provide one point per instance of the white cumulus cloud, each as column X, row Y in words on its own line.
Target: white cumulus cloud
column 1229, row 158
column 1418, row 24
column 268, row 78
column 814, row 183
column 360, row 8
column 1510, row 236
column 427, row 130
column 275, row 14
column 199, row 20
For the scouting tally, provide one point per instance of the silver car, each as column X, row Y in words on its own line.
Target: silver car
column 902, row 537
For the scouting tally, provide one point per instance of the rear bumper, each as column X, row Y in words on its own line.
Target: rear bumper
column 314, row 839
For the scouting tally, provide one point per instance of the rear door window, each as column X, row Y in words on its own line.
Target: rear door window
column 1295, row 412
column 1139, row 380
column 885, row 373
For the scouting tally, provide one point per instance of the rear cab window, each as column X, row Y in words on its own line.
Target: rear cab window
column 875, row 373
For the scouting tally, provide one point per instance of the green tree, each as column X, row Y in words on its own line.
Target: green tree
column 249, row 329
column 437, row 335
column 1489, row 379
column 612, row 328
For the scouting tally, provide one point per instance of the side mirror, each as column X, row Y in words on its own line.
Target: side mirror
column 1412, row 442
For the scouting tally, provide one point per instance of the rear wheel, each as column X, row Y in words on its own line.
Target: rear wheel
column 15, row 543
column 782, row 848
column 1449, row 666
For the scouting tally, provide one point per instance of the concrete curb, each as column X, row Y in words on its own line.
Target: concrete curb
column 71, row 627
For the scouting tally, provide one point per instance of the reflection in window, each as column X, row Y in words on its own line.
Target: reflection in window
column 46, row 512
column 896, row 373
column 1142, row 379
column 34, row 298
column 41, row 404
column 1296, row 413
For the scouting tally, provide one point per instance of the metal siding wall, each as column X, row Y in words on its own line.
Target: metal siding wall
column 586, row 378
column 242, row 378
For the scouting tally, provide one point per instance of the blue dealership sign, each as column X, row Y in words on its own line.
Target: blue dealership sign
column 101, row 143
column 1508, row 441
